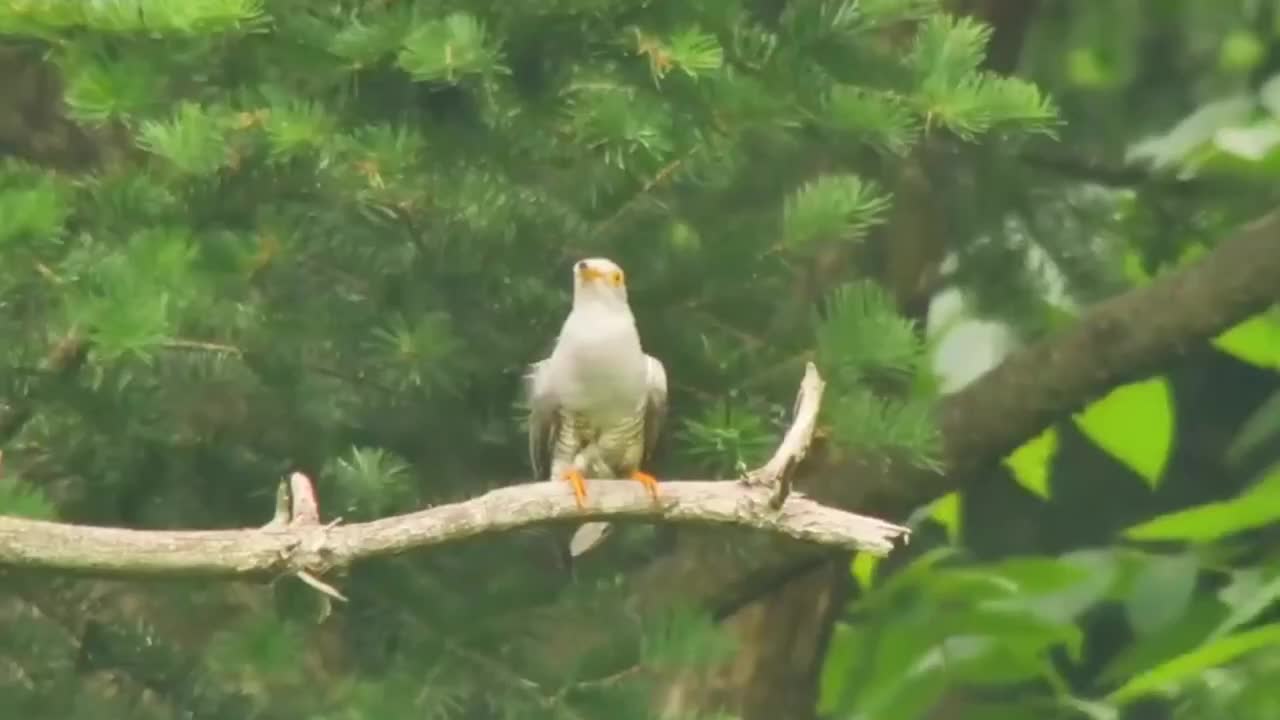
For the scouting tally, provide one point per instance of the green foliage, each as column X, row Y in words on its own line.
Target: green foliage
column 725, row 442
column 20, row 499
column 684, row 638
column 329, row 236
column 449, row 49
column 862, row 336
column 1207, row 523
column 832, row 208
column 370, row 483
column 1134, row 423
column 959, row 96
column 1256, row 340
column 34, row 210
column 1031, row 461
column 194, row 140
column 1192, row 665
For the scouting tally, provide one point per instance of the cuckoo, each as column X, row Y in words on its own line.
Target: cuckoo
column 598, row 402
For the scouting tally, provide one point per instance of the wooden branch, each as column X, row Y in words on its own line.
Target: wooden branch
column 776, row 473
column 1115, row 341
column 300, row 545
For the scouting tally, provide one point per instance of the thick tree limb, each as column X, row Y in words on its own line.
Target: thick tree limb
column 295, row 541
column 1115, row 341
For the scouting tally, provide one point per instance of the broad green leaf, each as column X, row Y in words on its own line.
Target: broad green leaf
column 1135, row 273
column 1161, row 592
column 1256, row 507
column 1197, row 129
column 1261, row 426
column 1030, row 463
column 1134, row 424
column 876, row 662
column 996, row 644
column 1255, row 341
column 904, row 578
column 1189, row 665
column 946, row 511
column 1251, row 592
column 845, row 654
column 1063, row 587
column 864, row 567
column 1252, row 143
column 1133, row 270
column 1269, row 95
column 1091, row 709
column 1148, row 651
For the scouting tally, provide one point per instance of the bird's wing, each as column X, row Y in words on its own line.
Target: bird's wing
column 655, row 406
column 544, row 418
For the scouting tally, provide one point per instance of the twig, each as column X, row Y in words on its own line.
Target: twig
column 776, row 474
column 320, row 585
column 202, row 346
column 664, row 173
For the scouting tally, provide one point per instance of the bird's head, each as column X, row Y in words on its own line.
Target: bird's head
column 599, row 280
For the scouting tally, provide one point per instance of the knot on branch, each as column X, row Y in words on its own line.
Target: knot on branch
column 310, row 554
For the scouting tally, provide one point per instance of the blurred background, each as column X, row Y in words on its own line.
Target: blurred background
column 1029, row 244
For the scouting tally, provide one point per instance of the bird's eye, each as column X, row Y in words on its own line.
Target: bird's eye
column 581, row 266
column 616, row 278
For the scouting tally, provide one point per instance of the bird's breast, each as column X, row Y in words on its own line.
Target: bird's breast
column 604, row 371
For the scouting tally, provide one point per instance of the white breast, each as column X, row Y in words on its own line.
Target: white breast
column 601, row 365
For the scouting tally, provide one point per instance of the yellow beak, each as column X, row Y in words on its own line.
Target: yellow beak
column 590, row 273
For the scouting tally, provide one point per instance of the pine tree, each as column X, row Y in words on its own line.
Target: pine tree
column 328, row 236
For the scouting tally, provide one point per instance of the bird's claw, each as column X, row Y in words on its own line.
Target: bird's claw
column 650, row 483
column 579, row 485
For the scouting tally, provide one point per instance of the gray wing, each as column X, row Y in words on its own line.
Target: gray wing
column 655, row 406
column 544, row 419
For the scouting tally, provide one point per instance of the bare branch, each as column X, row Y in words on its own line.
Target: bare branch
column 776, row 473
column 306, row 509
column 320, row 585
column 315, row 548
column 295, row 542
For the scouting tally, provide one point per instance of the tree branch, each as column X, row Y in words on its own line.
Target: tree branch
column 295, row 541
column 1115, row 341
column 776, row 473
column 313, row 547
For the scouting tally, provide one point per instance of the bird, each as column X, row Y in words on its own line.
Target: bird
column 597, row 403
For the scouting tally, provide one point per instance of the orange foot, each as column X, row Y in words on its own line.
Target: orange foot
column 650, row 483
column 578, row 483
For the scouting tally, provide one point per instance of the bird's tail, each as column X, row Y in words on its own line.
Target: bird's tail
column 587, row 537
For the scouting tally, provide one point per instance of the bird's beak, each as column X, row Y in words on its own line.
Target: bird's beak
column 612, row 278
